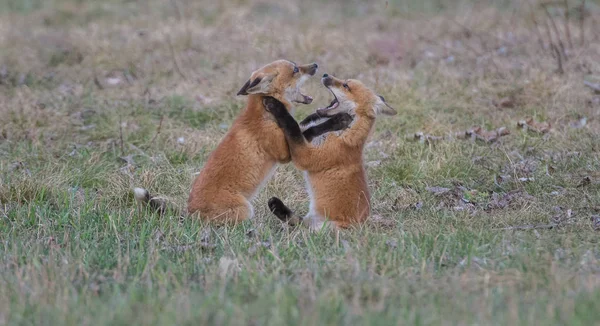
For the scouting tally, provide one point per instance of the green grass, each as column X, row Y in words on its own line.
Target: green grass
column 76, row 249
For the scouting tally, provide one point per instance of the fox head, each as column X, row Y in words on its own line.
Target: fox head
column 353, row 97
column 282, row 80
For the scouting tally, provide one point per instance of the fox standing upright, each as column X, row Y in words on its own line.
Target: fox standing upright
column 334, row 170
column 250, row 151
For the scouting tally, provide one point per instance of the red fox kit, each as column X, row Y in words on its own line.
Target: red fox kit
column 334, row 171
column 249, row 152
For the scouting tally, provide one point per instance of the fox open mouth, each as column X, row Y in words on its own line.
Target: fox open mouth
column 334, row 104
column 303, row 99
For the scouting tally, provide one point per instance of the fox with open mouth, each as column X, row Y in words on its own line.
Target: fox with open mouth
column 333, row 165
column 248, row 154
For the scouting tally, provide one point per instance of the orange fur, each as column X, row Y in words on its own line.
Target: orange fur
column 251, row 149
column 334, row 170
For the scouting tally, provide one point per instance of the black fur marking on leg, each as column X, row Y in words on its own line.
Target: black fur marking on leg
column 278, row 208
column 158, row 205
column 339, row 121
column 311, row 118
column 143, row 196
column 284, row 119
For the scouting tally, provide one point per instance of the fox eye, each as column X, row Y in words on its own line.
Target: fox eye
column 346, row 86
column 296, row 70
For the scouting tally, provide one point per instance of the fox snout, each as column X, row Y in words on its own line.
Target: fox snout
column 327, row 80
column 310, row 69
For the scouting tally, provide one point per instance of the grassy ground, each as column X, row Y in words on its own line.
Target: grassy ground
column 99, row 96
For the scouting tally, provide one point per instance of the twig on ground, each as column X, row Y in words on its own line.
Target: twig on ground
column 550, row 39
column 567, row 28
column 555, row 28
column 121, row 136
column 174, row 58
column 530, row 227
column 594, row 87
column 97, row 82
column 157, row 131
column 537, row 32
column 177, row 9
column 559, row 64
column 581, row 23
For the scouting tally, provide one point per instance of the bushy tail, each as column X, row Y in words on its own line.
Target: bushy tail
column 283, row 213
column 156, row 203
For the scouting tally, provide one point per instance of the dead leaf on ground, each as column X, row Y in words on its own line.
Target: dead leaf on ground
column 505, row 103
column 426, row 138
column 475, row 133
column 586, row 181
column 19, row 166
column 562, row 216
column 533, row 126
column 487, row 136
column 502, row 201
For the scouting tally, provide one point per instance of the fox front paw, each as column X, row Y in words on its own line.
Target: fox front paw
column 341, row 121
column 274, row 106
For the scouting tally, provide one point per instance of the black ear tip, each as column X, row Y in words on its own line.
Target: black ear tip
column 242, row 90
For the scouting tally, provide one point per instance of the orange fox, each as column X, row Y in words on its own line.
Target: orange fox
column 249, row 152
column 334, row 170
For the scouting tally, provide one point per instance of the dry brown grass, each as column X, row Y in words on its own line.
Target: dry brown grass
column 84, row 86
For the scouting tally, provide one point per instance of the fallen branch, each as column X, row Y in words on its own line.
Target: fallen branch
column 567, row 29
column 555, row 28
column 594, row 87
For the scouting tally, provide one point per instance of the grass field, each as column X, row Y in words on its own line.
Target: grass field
column 97, row 97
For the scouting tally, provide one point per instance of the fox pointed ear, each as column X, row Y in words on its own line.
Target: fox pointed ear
column 242, row 90
column 381, row 107
column 260, row 84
